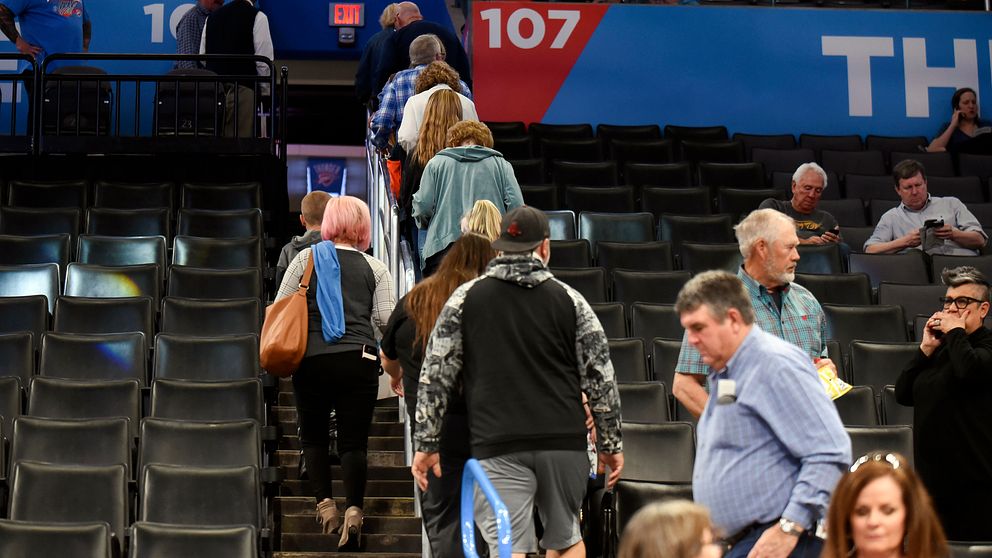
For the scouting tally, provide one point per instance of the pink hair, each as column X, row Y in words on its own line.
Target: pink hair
column 347, row 220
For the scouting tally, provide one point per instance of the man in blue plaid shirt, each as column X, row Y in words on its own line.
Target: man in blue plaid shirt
column 423, row 50
column 190, row 28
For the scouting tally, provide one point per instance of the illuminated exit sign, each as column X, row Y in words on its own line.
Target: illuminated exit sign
column 347, row 15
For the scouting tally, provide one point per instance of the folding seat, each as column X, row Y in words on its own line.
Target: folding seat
column 508, row 129
column 101, row 281
column 613, row 199
column 659, row 452
column 870, row 187
column 658, row 287
column 857, row 407
column 51, row 248
column 562, row 224
column 133, row 195
column 185, row 357
column 570, row 253
column 664, row 357
column 700, row 134
column 90, row 442
column 208, row 401
column 854, row 162
column 877, row 208
column 31, row 279
column 630, row 362
column 982, row 212
column 879, row 364
column 888, row 144
column 86, row 399
column 589, row 281
column 611, row 317
column 894, row 414
column 105, row 315
column 855, row 237
column 233, row 443
column 513, row 147
column 567, row 173
column 738, row 202
column 24, row 313
column 77, row 103
column 66, row 540
column 781, row 160
column 70, row 493
column 200, row 496
column 223, row 196
column 878, row 324
column 630, row 496
column 819, row 258
column 17, row 356
column 698, row 257
column 848, row 212
column 607, row 133
column 914, row 299
column 106, row 356
column 187, row 316
column 783, row 181
column 154, row 540
column 968, row 189
column 129, row 222
column 121, row 250
column 940, row 262
column 677, row 201
column 909, row 267
column 641, row 152
column 540, row 131
column 644, row 402
column 207, row 223
column 578, row 150
column 692, row 228
column 969, row 550
column 732, row 175
column 820, row 143
column 10, row 407
column 638, row 256
column 217, row 253
column 971, row 164
column 937, row 164
column 615, row 227
column 886, row 439
column 765, row 141
column 36, row 221
column 24, row 193
column 542, row 197
column 529, row 171
column 664, row 175
column 696, row 152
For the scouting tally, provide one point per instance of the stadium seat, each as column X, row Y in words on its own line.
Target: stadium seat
column 17, row 356
column 186, row 357
column 940, row 262
column 649, row 321
column 200, row 496
column 857, row 407
column 578, row 150
column 105, row 315
column 658, row 287
column 570, row 253
column 66, row 540
column 100, row 281
column 765, row 141
column 106, row 356
column 936, row 164
column 631, row 496
column 696, row 152
column 35, row 221
column 732, row 175
column 224, row 196
column 217, row 253
column 971, row 164
column 658, row 452
column 71, row 193
column 516, row 148
column 154, row 540
column 738, row 202
column 697, row 257
column 31, row 279
column 889, row 439
column 615, row 227
column 879, row 364
column 664, row 357
column 544, row 196
column 692, row 228
column 848, row 212
column 567, row 173
column 888, row 144
column 24, row 313
column 781, row 160
column 507, row 129
column 678, row 201
column 968, row 189
column 645, row 402
column 880, row 324
column 613, row 199
column 90, row 442
column 870, row 187
column 540, row 131
column 129, row 222
column 194, row 282
column 207, row 401
column 854, row 162
column 982, row 212
column 529, row 171
column 820, row 259
column 783, row 181
column 85, row 399
column 132, row 195
column 910, row 267
column 562, row 224
column 663, row 175
column 894, row 414
column 637, row 256
column 855, row 237
column 52, row 248
column 10, row 407
column 186, row 443
column 630, row 363
column 122, row 250
column 208, row 223
column 609, row 132
column 589, row 281
column 914, row 299
column 820, row 143
column 641, row 152
column 877, row 208
column 611, row 317
column 187, row 316
column 679, row 134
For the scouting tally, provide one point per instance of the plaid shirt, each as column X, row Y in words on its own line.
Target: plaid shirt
column 392, row 99
column 801, row 322
column 188, row 33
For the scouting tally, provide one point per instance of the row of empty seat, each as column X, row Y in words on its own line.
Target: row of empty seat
column 82, row 194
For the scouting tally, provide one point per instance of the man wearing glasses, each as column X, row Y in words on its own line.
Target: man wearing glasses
column 949, row 385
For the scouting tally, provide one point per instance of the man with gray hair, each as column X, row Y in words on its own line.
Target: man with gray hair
column 770, row 444
column 813, row 226
column 423, row 50
column 768, row 243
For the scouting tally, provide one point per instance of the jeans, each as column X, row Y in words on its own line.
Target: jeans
column 809, row 546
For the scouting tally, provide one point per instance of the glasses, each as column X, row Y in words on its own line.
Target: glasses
column 960, row 302
column 889, row 458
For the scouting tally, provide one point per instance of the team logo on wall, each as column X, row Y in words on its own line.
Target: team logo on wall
column 327, row 174
column 70, row 8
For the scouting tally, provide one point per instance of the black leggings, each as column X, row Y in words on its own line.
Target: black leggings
column 349, row 384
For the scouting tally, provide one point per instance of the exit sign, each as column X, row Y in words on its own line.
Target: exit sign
column 347, row 15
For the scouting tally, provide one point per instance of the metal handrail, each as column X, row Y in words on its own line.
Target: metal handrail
column 504, row 536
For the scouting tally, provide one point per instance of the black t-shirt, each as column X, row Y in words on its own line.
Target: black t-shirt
column 807, row 224
column 399, row 343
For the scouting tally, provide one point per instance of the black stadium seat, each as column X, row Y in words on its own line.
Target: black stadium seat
column 659, row 452
column 52, row 248
column 843, row 288
column 209, row 401
column 819, row 258
column 217, row 253
column 613, row 199
column 187, row 316
column 738, row 202
column 154, row 540
column 936, row 164
column 879, row 364
column 684, row 228
column 570, row 253
column 609, row 132
column 637, row 256
column 894, row 414
column 866, row 187
column 105, row 315
column 641, row 152
column 820, row 143
column 888, row 144
column 590, row 282
column 769, row 141
column 200, row 496
column 562, row 224
column 33, row 221
column 857, row 407
column 24, row 313
column 781, row 160
column 72, row 193
column 513, row 147
column 133, row 195
column 208, row 223
column 854, row 162
column 91, row 442
column 66, row 540
column 579, row 150
column 649, row 321
column 122, row 250
column 659, row 287
column 183, row 357
column 529, row 171
column 644, row 402
column 615, row 227
column 508, row 129
column 106, row 356
column 224, row 196
column 194, row 282
column 886, row 439
column 631, row 496
column 848, row 212
column 664, row 357
column 611, row 316
column 540, row 131
column 10, row 405
column 910, row 267
column 17, row 356
column 679, row 201
column 568, row 173
column 697, row 152
column 28, row 280
column 914, row 299
column 232, row 443
column 697, row 257
column 542, row 196
column 665, row 175
column 968, row 189
column 732, row 175
column 102, row 281
column 865, row 323
column 84, row 399
column 630, row 362
column 129, row 222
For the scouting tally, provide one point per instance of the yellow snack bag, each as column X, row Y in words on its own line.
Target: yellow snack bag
column 835, row 386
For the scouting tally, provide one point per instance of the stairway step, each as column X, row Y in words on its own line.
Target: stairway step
column 371, row 542
column 291, row 458
column 289, row 398
column 345, row 555
column 286, row 415
column 306, row 523
column 376, row 443
column 386, row 473
column 387, row 429
column 393, row 507
column 375, row 488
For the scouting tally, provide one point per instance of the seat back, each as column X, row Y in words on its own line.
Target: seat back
column 76, row 102
column 197, row 357
column 914, row 299
column 194, row 282
column 36, row 221
column 24, row 313
column 851, row 289
column 824, row 259
column 529, row 171
column 848, row 212
column 200, row 496
column 879, row 364
column 208, row 401
column 857, row 407
column 609, row 132
column 818, row 143
column 854, row 162
column 122, row 251
column 133, row 195
column 105, row 221
column 636, row 256
column 208, row 223
column 885, row 439
column 659, row 287
column 217, row 253
column 153, row 540
column 199, row 444
column 226, row 196
column 664, row 357
column 732, row 175
column 629, row 360
column 570, row 253
column 894, row 413
column 710, row 228
column 23, row 193
column 968, row 550
column 663, row 175
column 31, row 279
column 102, row 281
column 651, row 152
column 696, row 257
column 17, row 355
column 781, row 160
column 680, row 201
column 883, row 324
column 615, row 227
column 10, row 404
column 659, row 452
column 562, row 224
column 738, row 202
column 909, row 267
column 937, row 164
column 968, row 189
column 610, row 314
column 105, row 315
column 940, row 262
column 644, row 402
column 630, row 496
column 568, row 173
column 86, row 399
column 589, row 281
column 186, row 107
column 51, row 248
column 649, row 321
column 106, row 356
column 187, row 316
column 613, row 199
column 68, row 540
column 92, row 442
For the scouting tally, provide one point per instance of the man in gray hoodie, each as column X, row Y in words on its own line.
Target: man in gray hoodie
column 311, row 216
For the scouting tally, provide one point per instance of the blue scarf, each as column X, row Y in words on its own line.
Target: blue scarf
column 328, row 270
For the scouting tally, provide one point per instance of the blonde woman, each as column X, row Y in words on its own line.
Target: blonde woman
column 674, row 529
column 483, row 219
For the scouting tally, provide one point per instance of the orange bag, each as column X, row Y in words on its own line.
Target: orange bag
column 284, row 333
column 395, row 176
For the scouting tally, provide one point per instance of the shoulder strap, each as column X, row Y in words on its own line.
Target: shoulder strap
column 308, row 272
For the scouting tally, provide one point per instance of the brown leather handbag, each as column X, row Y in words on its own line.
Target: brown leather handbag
column 284, row 333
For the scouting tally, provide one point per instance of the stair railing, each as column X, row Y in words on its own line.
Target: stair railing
column 474, row 474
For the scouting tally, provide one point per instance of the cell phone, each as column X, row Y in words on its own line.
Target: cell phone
column 933, row 223
column 835, row 230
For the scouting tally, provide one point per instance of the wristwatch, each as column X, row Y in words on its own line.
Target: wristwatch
column 790, row 527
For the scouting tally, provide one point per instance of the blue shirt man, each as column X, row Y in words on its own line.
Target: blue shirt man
column 189, row 31
column 47, row 27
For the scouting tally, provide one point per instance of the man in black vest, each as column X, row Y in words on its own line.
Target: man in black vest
column 239, row 28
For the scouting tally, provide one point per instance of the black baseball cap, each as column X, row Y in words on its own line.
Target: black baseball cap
column 522, row 229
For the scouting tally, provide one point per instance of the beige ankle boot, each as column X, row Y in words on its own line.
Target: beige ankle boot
column 327, row 516
column 351, row 532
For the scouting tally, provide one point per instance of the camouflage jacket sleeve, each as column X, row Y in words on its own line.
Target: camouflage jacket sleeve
column 440, row 375
column 596, row 374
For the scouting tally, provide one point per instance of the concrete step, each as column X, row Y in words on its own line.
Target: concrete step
column 307, row 523
column 286, row 415
column 371, row 542
column 291, row 458
column 386, row 473
column 377, row 488
column 393, row 507
column 376, row 443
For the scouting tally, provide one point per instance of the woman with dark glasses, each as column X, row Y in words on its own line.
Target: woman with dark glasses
column 949, row 385
column 881, row 510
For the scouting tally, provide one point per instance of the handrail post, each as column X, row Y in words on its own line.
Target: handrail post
column 474, row 474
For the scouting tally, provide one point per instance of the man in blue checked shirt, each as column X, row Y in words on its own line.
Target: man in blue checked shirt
column 770, row 445
column 189, row 31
